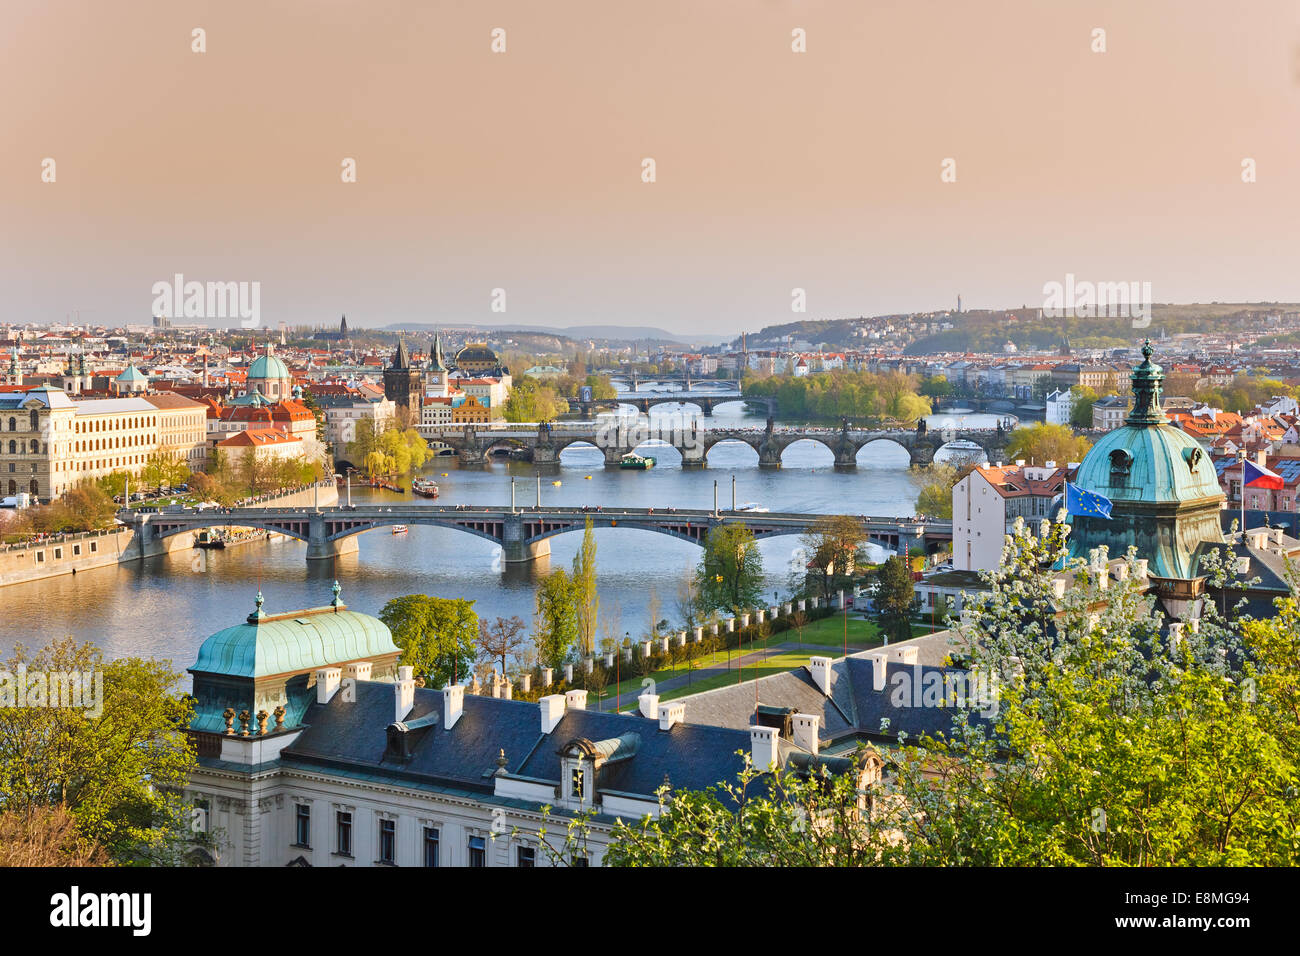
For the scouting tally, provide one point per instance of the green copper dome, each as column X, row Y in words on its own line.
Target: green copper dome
column 297, row 642
column 268, row 366
column 1164, row 488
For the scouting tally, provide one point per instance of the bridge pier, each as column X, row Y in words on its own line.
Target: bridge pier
column 516, row 550
column 320, row 548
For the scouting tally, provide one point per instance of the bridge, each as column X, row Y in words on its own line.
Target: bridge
column 644, row 401
column 523, row 533
column 544, row 442
column 685, row 379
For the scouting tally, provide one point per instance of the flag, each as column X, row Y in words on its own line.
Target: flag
column 1085, row 503
column 1257, row 476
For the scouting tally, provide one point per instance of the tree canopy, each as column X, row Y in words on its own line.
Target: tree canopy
column 730, row 572
column 438, row 636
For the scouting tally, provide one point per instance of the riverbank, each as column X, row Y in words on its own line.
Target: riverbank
column 57, row 555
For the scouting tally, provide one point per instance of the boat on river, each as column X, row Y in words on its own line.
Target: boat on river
column 424, row 487
column 634, row 462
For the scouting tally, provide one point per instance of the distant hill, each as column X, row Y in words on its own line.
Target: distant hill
column 610, row 333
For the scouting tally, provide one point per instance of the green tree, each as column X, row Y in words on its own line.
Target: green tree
column 556, row 619
column 834, row 543
column 1084, row 398
column 586, row 597
column 1042, row 442
column 118, row 764
column 730, row 573
column 438, row 636
column 894, row 594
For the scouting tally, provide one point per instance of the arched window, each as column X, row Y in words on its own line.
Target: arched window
column 13, row 447
column 13, row 487
column 36, row 447
column 35, row 488
column 13, row 424
column 35, row 422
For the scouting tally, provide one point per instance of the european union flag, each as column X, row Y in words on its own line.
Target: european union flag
column 1085, row 503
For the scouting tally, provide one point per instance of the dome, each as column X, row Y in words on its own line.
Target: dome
column 1156, row 463
column 1163, row 487
column 296, row 642
column 132, row 374
column 268, row 366
column 476, row 353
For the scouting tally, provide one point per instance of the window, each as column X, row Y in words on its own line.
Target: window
column 579, row 859
column 387, row 841
column 302, row 825
column 430, row 846
column 343, row 825
column 576, row 783
column 477, row 851
column 526, row 857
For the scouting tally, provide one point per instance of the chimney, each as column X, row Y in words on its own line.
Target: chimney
column 496, row 685
column 525, row 683
column 670, row 714
column 327, row 683
column 552, row 706
column 453, row 704
column 649, row 706
column 507, row 690
column 1058, row 587
column 360, row 670
column 1140, row 567
column 878, row 660
column 820, row 667
column 546, row 677
column 1175, row 635
column 404, row 691
column 804, row 729
column 1120, row 571
column 576, row 700
column 907, row 654
column 763, row 746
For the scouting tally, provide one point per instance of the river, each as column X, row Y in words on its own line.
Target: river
column 165, row 607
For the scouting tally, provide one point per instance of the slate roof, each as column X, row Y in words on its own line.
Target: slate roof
column 354, row 735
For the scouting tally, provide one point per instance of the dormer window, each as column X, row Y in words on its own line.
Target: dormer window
column 1193, row 457
column 1120, row 462
column 577, row 783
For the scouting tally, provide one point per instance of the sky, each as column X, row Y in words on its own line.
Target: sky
column 522, row 170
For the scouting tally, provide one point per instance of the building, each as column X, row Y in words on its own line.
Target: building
column 344, row 413
column 1059, row 406
column 49, row 442
column 987, row 502
column 1109, row 412
column 435, row 373
column 1164, row 489
column 316, row 748
column 269, row 378
column 470, row 412
column 402, row 382
column 268, row 443
column 477, row 358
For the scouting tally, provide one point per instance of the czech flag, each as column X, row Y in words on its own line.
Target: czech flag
column 1086, row 503
column 1257, row 476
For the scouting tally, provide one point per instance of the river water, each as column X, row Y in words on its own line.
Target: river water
column 165, row 607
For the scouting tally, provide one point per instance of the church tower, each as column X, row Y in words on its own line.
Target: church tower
column 402, row 385
column 435, row 375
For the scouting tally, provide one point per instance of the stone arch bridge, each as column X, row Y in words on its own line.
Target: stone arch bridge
column 523, row 533
column 543, row 444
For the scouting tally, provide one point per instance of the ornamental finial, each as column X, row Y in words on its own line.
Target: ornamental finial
column 336, row 589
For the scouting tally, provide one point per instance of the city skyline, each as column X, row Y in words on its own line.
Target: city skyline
column 521, row 171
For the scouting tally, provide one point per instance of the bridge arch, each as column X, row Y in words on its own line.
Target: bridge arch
column 731, row 452
column 811, row 451
column 883, row 453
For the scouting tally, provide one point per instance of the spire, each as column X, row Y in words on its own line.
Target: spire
column 436, row 362
column 258, row 613
column 1147, row 379
column 343, row 327
column 402, row 359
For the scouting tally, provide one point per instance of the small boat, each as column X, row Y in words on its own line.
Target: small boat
column 400, row 529
column 556, row 484
column 208, row 538
column 443, row 475
column 751, row 506
column 424, row 487
column 636, row 462
column 586, row 478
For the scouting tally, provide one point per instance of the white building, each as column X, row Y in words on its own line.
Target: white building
column 1060, row 405
column 986, row 503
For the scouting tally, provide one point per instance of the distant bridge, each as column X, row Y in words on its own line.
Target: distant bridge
column 685, row 379
column 644, row 401
column 474, row 444
column 523, row 533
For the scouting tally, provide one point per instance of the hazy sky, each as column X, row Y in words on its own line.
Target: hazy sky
column 522, row 170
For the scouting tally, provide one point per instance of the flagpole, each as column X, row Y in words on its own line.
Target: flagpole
column 1242, row 453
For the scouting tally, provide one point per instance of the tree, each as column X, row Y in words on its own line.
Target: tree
column 1043, row 442
column 556, row 621
column 438, row 636
column 834, row 542
column 586, row 598
column 46, row 836
column 730, row 573
column 118, row 763
column 1083, row 398
column 894, row 593
column 500, row 640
